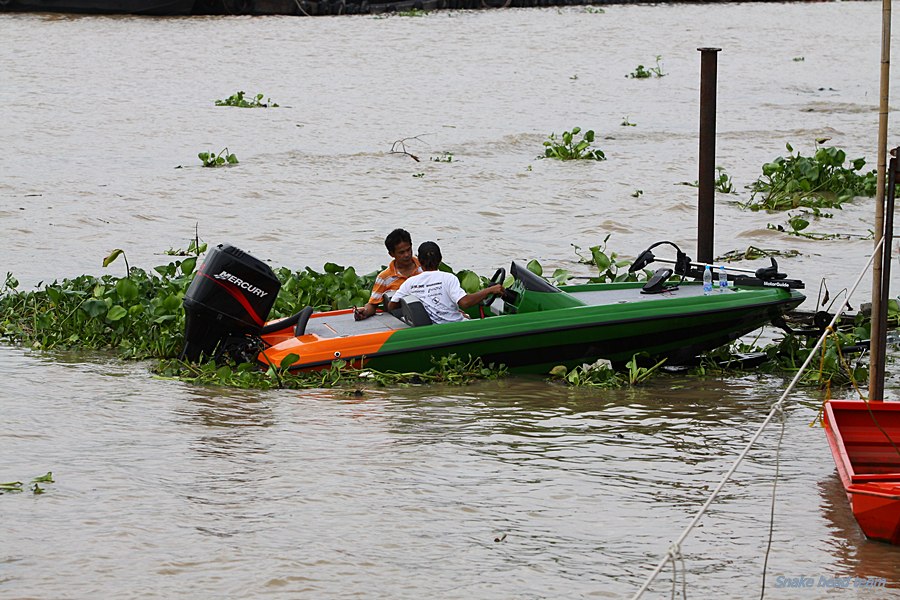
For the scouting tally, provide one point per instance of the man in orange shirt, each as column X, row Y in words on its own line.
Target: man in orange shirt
column 403, row 266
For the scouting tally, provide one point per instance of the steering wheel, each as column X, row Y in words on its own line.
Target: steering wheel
column 499, row 277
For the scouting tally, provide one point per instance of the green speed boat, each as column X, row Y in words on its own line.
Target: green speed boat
column 535, row 327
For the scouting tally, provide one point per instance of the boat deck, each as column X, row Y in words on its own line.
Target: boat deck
column 340, row 325
column 624, row 296
column 330, row 325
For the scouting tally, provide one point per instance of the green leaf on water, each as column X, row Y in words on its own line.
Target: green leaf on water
column 112, row 256
column 116, row 312
column 288, row 360
column 126, row 289
column 188, row 264
column 48, row 478
column 535, row 267
column 469, row 281
column 94, row 308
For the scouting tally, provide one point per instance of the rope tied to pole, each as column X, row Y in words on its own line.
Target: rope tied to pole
column 674, row 555
column 776, row 407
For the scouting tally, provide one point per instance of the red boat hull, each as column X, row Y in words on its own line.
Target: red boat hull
column 865, row 442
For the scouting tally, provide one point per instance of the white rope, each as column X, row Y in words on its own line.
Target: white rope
column 783, row 418
column 676, row 545
column 674, row 555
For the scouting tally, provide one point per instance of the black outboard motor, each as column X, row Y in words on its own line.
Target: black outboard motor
column 231, row 295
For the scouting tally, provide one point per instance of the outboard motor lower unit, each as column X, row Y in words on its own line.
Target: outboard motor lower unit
column 231, row 295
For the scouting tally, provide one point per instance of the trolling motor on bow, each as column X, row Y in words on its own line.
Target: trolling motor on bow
column 230, row 296
column 657, row 282
column 763, row 277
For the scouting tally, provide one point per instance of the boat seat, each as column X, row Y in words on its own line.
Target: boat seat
column 413, row 311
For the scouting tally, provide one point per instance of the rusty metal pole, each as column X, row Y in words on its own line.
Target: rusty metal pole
column 877, row 333
column 878, row 339
column 706, row 193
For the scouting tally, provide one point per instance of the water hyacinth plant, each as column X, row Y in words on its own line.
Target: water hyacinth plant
column 609, row 265
column 645, row 73
column 722, row 183
column 818, row 181
column 567, row 148
column 211, row 159
column 447, row 370
column 140, row 316
column 8, row 487
column 239, row 100
column 602, row 375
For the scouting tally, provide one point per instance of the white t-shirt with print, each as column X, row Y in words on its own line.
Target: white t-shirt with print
column 439, row 293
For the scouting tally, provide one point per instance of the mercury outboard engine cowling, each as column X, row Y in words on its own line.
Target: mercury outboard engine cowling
column 231, row 295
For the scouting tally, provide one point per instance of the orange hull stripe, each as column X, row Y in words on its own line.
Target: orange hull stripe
column 312, row 348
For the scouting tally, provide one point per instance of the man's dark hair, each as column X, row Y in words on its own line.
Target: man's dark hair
column 395, row 237
column 429, row 256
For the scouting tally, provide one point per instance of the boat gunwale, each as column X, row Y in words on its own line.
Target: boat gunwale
column 762, row 307
column 849, row 475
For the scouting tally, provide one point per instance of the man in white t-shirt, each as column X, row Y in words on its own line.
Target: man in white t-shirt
column 440, row 292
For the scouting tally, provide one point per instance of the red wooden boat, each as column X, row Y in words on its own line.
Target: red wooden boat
column 865, row 441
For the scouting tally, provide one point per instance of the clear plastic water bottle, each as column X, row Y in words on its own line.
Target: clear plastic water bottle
column 893, row 338
column 723, row 279
column 707, row 281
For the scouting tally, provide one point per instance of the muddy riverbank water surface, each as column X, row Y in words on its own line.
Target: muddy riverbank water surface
column 510, row 489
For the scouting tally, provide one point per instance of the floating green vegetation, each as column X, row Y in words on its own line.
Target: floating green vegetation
column 559, row 276
column 137, row 316
column 819, row 181
column 798, row 59
column 797, row 224
column 336, row 288
column 413, row 12
column 754, row 253
column 444, row 156
column 238, row 99
column 637, row 193
column 448, row 370
column 211, row 159
column 722, row 182
column 645, row 73
column 601, row 374
column 626, row 123
column 13, row 487
column 831, row 367
column 608, row 263
column 594, row 10
column 567, row 148
column 140, row 315
column 841, row 361
column 195, row 248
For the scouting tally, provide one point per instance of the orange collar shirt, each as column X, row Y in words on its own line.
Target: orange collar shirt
column 389, row 280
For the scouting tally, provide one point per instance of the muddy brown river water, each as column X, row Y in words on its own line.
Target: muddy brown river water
column 510, row 489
